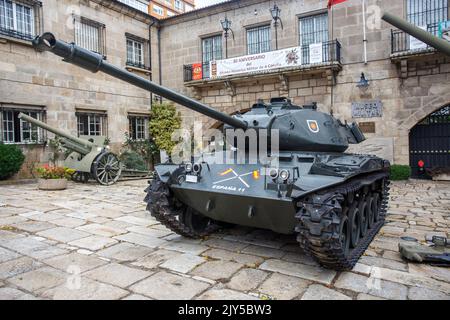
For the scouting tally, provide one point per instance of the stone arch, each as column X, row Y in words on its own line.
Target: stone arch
column 433, row 105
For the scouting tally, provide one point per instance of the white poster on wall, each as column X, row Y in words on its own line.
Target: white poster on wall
column 256, row 63
column 315, row 53
column 415, row 44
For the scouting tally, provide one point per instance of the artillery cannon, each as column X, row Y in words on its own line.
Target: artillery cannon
column 334, row 202
column 89, row 157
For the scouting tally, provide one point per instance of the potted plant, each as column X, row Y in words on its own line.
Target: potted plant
column 53, row 178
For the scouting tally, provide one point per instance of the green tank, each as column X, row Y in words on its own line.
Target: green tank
column 335, row 203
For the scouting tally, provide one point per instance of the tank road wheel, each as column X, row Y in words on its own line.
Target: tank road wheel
column 106, row 169
column 344, row 232
column 364, row 220
column 336, row 226
column 175, row 215
column 354, row 224
column 372, row 206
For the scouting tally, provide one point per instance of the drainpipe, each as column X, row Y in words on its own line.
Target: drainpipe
column 364, row 30
column 150, row 56
column 159, row 59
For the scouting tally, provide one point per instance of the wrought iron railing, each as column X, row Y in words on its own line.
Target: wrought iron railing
column 400, row 40
column 16, row 34
column 137, row 65
column 331, row 52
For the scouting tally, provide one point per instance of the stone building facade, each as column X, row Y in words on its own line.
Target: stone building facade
column 66, row 96
column 406, row 84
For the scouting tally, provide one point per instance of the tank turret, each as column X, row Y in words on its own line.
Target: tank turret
column 300, row 128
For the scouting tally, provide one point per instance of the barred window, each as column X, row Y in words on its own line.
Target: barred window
column 211, row 50
column 91, row 124
column 426, row 12
column 15, row 130
column 138, row 126
column 313, row 29
column 90, row 35
column 258, row 39
column 16, row 19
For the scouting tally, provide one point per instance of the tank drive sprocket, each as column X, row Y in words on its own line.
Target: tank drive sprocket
column 336, row 225
column 173, row 214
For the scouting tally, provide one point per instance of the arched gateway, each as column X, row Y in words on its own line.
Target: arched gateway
column 429, row 143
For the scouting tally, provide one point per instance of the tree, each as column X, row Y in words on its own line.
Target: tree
column 164, row 120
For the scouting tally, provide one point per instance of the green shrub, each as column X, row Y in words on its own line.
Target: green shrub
column 133, row 160
column 11, row 159
column 400, row 172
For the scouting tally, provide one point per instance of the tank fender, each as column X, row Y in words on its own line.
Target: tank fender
column 165, row 171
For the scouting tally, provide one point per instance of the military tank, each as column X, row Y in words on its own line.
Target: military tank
column 334, row 202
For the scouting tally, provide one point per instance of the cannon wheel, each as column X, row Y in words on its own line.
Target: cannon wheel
column 106, row 169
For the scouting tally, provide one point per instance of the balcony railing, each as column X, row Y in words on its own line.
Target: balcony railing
column 137, row 65
column 331, row 53
column 400, row 40
column 15, row 34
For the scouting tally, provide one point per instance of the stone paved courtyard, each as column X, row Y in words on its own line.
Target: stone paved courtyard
column 93, row 242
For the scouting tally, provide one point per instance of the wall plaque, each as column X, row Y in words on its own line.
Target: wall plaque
column 367, row 109
column 367, row 127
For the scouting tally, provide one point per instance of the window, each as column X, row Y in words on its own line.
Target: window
column 427, row 13
column 139, row 5
column 90, row 35
column 158, row 10
column 91, row 124
column 138, row 127
column 135, row 53
column 211, row 50
column 179, row 5
column 313, row 29
column 16, row 19
column 170, row 13
column 15, row 130
column 258, row 39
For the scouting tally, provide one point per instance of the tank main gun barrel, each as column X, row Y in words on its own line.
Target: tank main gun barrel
column 439, row 44
column 82, row 144
column 94, row 62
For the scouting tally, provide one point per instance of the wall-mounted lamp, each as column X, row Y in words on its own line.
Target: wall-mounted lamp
column 275, row 12
column 363, row 82
column 226, row 27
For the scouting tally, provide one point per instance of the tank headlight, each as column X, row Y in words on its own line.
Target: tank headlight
column 197, row 168
column 284, row 175
column 273, row 173
column 188, row 167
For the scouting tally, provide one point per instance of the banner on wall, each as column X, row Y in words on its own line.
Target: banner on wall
column 315, row 53
column 197, row 72
column 256, row 63
column 444, row 30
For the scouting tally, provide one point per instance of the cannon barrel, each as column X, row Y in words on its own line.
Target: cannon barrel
column 84, row 144
column 94, row 62
column 439, row 44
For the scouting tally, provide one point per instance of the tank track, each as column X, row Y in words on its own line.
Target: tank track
column 171, row 213
column 320, row 216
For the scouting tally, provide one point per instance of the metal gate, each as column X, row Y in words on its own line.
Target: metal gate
column 429, row 143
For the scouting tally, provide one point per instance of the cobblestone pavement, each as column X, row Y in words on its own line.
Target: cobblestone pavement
column 93, row 242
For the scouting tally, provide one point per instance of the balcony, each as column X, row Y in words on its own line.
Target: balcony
column 198, row 74
column 404, row 46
